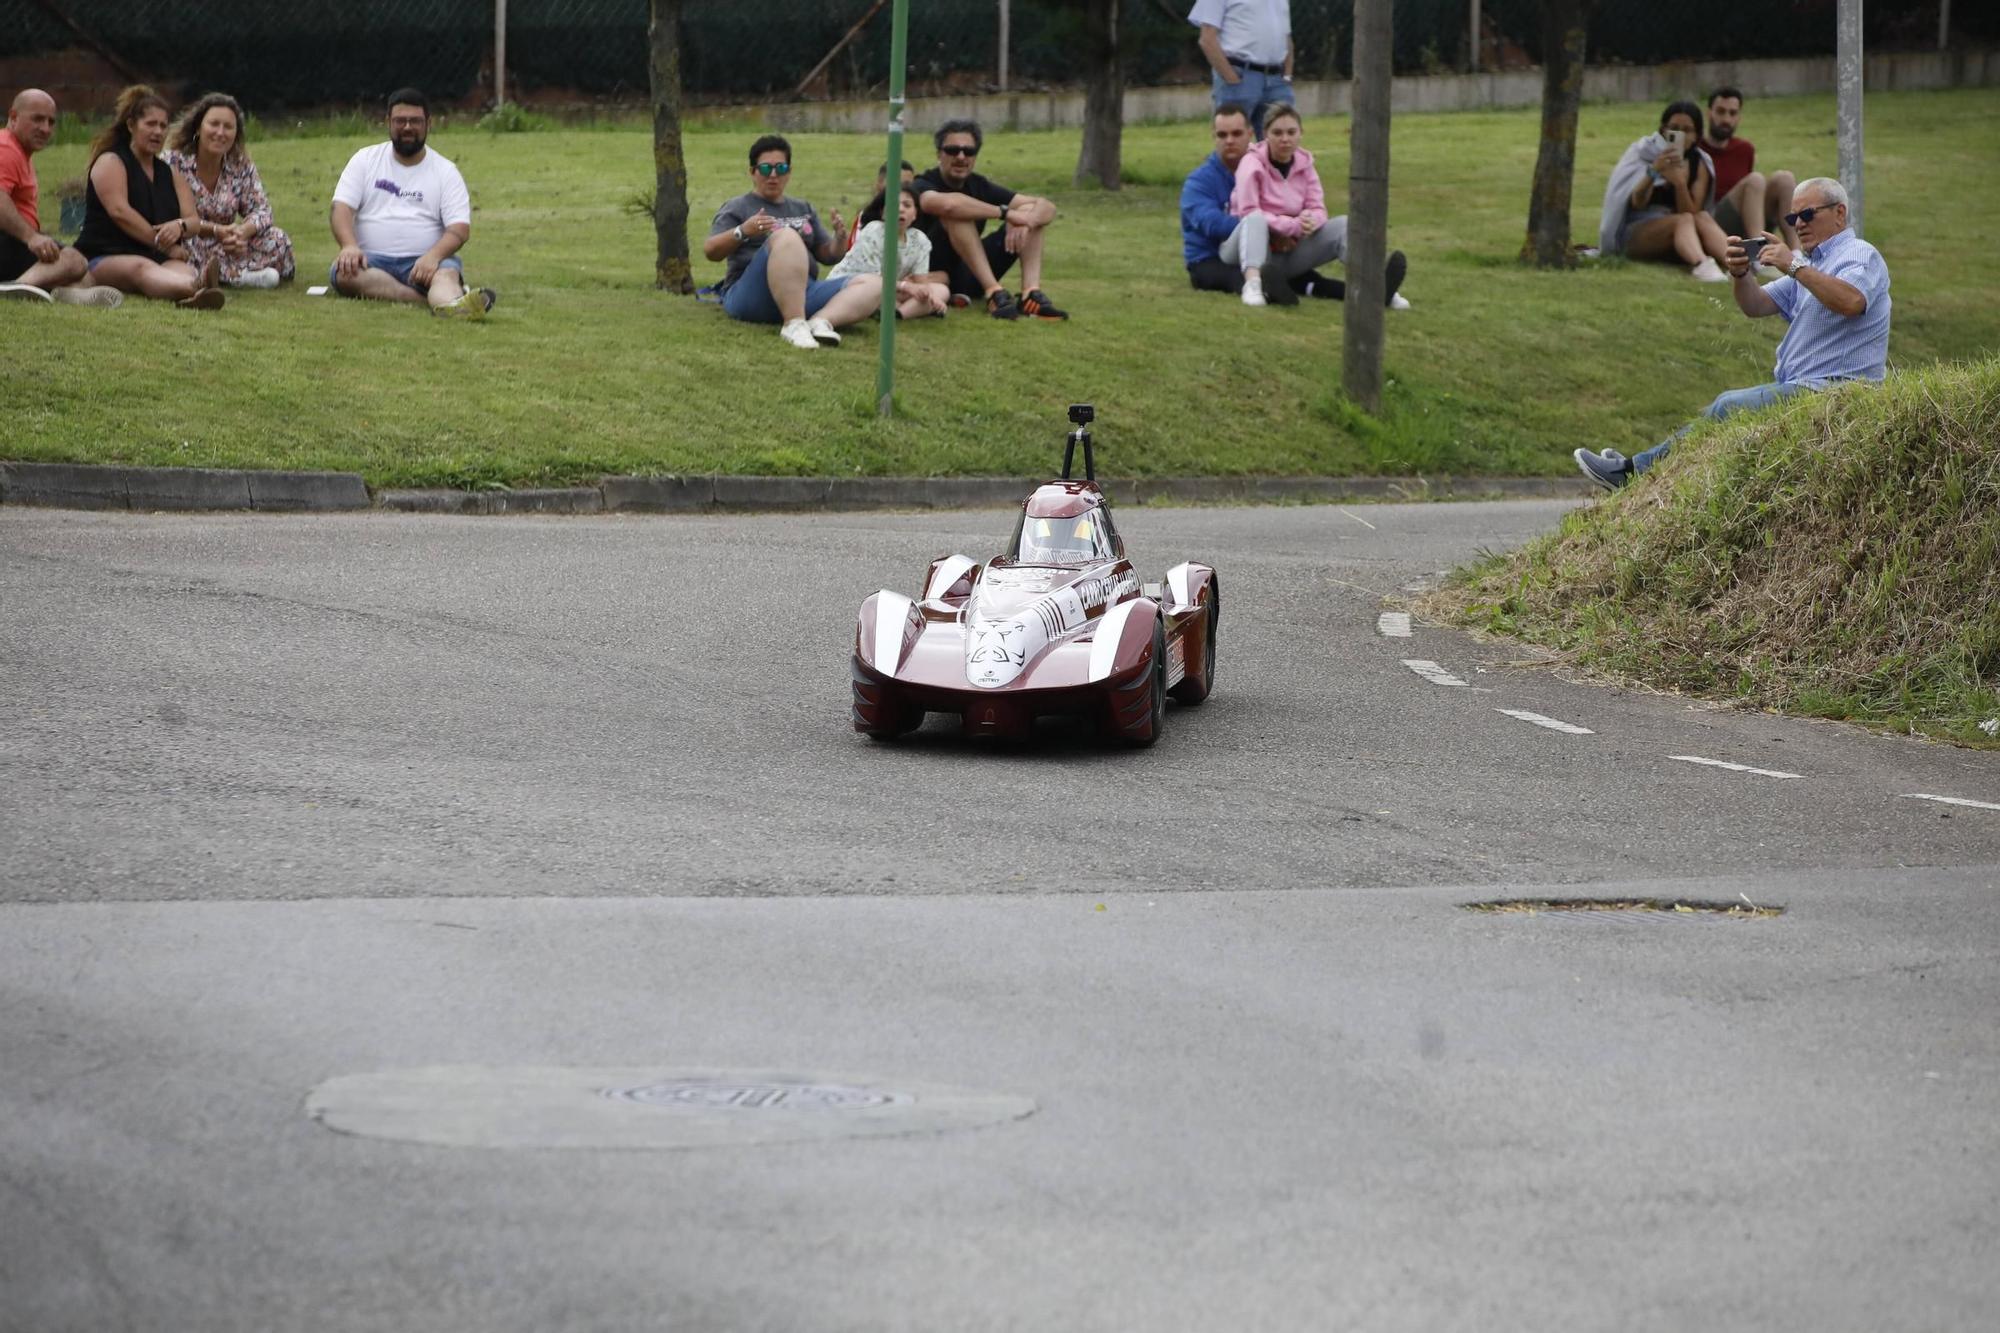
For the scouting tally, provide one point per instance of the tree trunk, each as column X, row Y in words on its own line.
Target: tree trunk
column 671, row 272
column 1367, row 206
column 1103, row 97
column 1563, row 40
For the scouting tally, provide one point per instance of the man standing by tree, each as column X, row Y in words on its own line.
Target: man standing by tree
column 1248, row 44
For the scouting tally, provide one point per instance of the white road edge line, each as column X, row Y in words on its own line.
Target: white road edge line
column 1362, row 521
column 1734, row 768
column 1393, row 624
column 1567, row 728
column 1431, row 672
column 1949, row 800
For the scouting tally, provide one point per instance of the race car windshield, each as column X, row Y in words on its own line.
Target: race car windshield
column 1062, row 541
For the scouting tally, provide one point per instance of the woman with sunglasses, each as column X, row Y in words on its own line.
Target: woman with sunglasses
column 774, row 246
column 1656, row 204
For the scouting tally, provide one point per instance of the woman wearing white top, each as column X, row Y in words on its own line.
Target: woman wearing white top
column 914, row 296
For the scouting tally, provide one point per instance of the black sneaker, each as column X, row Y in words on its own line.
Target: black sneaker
column 1280, row 293
column 1317, row 285
column 1393, row 275
column 1606, row 473
column 1001, row 306
column 1038, row 304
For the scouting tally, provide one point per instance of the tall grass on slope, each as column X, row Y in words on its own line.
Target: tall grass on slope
column 1837, row 555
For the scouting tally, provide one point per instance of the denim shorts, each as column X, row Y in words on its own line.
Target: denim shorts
column 396, row 266
column 749, row 297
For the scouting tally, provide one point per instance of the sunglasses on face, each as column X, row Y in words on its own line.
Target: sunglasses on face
column 774, row 168
column 958, row 150
column 1805, row 215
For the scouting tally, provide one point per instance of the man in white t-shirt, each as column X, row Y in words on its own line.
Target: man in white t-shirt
column 400, row 213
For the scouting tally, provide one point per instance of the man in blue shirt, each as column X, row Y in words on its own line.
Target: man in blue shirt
column 1207, row 223
column 1835, row 297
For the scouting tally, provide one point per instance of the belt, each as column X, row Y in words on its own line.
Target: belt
column 1272, row 71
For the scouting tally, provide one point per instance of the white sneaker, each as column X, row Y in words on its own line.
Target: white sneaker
column 21, row 291
column 823, row 333
column 1253, row 290
column 257, row 277
column 110, row 298
column 1708, row 271
column 1399, row 302
column 799, row 334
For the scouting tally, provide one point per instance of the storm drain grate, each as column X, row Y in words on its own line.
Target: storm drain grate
column 1742, row 910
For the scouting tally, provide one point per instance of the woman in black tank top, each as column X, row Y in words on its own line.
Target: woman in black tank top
column 138, row 215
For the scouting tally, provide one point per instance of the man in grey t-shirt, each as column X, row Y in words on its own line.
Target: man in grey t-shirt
column 774, row 246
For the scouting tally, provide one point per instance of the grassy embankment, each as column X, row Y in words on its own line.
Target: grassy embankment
column 1834, row 556
column 586, row 370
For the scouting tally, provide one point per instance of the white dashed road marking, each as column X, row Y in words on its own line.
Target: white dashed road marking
column 1552, row 724
column 1734, row 768
column 1393, row 624
column 1432, row 672
column 1949, row 800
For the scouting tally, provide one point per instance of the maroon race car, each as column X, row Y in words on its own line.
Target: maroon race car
column 1058, row 623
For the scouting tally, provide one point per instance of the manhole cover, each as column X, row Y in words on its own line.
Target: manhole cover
column 1651, row 908
column 479, row 1106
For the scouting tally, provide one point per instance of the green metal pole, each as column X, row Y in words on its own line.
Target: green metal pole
column 885, row 380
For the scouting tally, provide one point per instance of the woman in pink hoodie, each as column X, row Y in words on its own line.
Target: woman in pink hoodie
column 1285, row 228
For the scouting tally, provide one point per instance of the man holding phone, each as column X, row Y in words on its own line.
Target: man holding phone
column 1835, row 296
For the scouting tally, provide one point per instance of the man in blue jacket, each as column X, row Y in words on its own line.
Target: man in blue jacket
column 1206, row 223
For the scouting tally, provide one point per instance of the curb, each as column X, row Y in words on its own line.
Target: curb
column 81, row 486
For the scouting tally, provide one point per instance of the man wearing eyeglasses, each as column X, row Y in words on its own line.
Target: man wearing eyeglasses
column 1835, row 297
column 401, row 213
column 774, row 246
column 957, row 202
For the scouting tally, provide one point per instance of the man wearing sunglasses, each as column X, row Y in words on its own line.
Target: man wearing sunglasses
column 956, row 203
column 1835, row 297
column 774, row 246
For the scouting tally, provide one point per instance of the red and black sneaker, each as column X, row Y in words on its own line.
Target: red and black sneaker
column 1038, row 305
column 959, row 300
column 1001, row 306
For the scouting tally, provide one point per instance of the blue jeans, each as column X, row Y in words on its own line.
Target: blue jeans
column 1726, row 404
column 749, row 297
column 396, row 266
column 1253, row 94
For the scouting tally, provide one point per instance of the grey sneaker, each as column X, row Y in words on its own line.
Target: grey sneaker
column 1602, row 470
column 109, row 298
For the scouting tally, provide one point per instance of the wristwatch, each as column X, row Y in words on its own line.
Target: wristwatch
column 740, row 237
column 1799, row 261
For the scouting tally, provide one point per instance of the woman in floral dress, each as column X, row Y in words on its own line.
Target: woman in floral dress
column 206, row 148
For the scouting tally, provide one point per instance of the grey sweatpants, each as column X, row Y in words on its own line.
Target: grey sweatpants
column 1249, row 246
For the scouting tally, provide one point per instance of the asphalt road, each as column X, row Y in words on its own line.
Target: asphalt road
column 283, row 801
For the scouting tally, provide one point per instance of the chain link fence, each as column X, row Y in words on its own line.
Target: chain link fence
column 318, row 53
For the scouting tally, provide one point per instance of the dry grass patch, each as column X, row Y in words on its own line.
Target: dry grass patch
column 1837, row 555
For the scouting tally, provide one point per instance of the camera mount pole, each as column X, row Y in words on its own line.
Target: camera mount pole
column 899, row 36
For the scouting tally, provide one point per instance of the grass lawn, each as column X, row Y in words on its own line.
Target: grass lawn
column 585, row 370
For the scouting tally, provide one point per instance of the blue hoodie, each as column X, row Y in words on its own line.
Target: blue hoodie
column 1206, row 221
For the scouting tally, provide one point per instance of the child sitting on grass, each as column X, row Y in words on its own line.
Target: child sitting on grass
column 918, row 291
